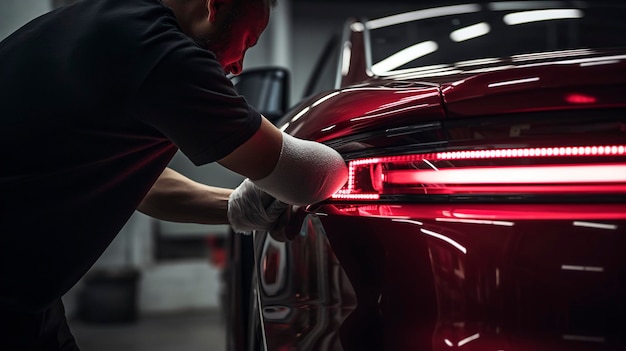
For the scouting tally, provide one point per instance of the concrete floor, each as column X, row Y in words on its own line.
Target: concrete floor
column 181, row 331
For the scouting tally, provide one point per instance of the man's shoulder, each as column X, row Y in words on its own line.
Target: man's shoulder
column 127, row 18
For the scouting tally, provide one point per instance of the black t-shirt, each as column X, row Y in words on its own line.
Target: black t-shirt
column 95, row 99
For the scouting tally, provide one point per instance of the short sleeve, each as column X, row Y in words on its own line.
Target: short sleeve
column 188, row 98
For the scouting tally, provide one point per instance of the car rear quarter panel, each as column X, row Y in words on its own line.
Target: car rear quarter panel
column 435, row 277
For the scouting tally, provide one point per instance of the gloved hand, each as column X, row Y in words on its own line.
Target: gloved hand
column 250, row 208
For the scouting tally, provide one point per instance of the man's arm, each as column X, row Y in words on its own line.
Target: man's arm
column 294, row 171
column 177, row 198
column 257, row 157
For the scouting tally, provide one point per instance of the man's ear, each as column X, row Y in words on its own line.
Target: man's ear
column 214, row 7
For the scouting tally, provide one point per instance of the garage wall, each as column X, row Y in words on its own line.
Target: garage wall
column 15, row 13
column 314, row 22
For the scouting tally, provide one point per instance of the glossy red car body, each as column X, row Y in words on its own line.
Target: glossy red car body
column 500, row 225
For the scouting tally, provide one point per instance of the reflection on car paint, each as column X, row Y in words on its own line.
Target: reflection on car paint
column 498, row 283
column 315, row 295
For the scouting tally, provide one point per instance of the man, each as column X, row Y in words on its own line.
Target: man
column 95, row 99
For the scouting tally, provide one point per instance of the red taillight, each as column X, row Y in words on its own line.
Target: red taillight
column 580, row 169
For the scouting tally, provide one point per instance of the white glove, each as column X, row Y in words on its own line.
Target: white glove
column 250, row 208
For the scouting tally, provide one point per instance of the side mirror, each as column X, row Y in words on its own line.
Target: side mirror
column 265, row 89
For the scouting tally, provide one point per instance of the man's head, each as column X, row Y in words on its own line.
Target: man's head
column 228, row 28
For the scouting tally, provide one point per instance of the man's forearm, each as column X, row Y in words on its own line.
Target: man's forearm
column 177, row 198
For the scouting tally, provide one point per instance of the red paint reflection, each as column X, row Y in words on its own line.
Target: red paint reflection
column 576, row 98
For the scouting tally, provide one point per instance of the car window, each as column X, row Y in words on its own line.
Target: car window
column 452, row 34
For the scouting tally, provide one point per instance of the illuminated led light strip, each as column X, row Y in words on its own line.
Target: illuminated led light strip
column 508, row 175
column 609, row 150
column 346, row 193
column 578, row 151
column 496, row 175
column 534, row 189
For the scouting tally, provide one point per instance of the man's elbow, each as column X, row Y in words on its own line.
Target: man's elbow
column 307, row 172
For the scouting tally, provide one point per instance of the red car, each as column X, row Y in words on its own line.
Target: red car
column 486, row 204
